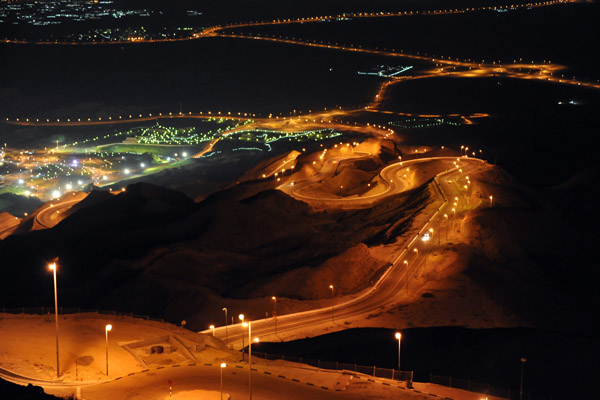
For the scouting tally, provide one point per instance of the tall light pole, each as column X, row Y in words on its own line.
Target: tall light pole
column 212, row 327
column 491, row 200
column 225, row 309
column 426, row 238
column 250, row 359
column 275, row 313
column 399, row 338
column 523, row 361
column 223, row 365
column 241, row 317
column 446, row 216
column 53, row 269
column 332, row 309
column 107, row 329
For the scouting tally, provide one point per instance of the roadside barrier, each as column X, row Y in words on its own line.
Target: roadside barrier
column 372, row 370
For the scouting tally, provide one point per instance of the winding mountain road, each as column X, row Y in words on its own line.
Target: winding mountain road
column 390, row 289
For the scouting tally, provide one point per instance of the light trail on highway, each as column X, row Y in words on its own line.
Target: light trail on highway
column 387, row 291
column 48, row 216
column 536, row 71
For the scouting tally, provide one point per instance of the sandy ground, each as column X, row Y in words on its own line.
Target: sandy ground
column 28, row 346
column 8, row 224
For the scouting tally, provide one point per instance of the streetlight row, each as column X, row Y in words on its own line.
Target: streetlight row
column 207, row 114
column 207, row 32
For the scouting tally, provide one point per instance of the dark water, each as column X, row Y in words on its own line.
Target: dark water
column 564, row 34
column 528, row 132
column 559, row 365
column 209, row 74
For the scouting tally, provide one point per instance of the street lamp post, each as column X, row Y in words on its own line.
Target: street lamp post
column 250, row 359
column 241, row 317
column 332, row 305
column 426, row 238
column 523, row 361
column 446, row 216
column 53, row 268
column 223, row 365
column 226, row 336
column 107, row 329
column 212, row 327
column 399, row 338
column 275, row 313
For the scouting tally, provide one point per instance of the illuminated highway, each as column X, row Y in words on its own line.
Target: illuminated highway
column 215, row 30
column 517, row 69
column 391, row 289
column 395, row 179
column 49, row 216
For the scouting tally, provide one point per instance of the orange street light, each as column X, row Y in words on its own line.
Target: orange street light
column 332, row 305
column 226, row 335
column 275, row 313
column 241, row 317
column 53, row 269
column 399, row 338
column 446, row 216
column 107, row 329
column 250, row 358
column 223, row 365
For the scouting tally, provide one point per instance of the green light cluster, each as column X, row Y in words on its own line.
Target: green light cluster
column 270, row 136
column 413, row 123
column 181, row 136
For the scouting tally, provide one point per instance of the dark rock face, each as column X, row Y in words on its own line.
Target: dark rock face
column 150, row 249
column 12, row 391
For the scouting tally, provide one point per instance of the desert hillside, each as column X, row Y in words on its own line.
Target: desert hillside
column 164, row 255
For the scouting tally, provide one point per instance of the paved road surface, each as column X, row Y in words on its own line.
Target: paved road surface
column 391, row 288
